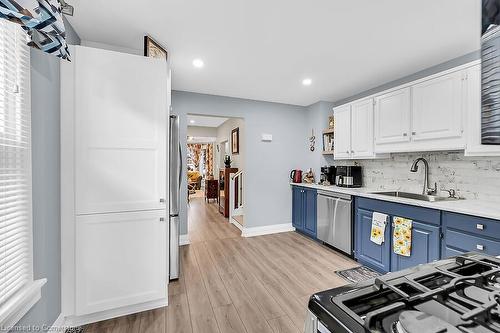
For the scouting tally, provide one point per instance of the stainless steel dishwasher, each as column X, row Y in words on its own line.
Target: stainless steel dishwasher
column 334, row 220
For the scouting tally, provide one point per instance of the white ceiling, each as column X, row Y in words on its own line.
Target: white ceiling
column 261, row 49
column 205, row 121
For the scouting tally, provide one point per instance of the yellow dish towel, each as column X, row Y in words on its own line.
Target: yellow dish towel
column 402, row 236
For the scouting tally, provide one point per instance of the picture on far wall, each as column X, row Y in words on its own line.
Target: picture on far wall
column 235, row 141
column 490, row 72
column 153, row 49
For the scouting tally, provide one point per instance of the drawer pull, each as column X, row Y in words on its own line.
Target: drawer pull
column 479, row 226
column 480, row 247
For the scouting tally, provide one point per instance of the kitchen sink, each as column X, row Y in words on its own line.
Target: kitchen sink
column 415, row 196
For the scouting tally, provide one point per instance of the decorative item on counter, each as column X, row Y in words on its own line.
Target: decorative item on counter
column 309, row 176
column 227, row 161
column 312, row 140
column 331, row 122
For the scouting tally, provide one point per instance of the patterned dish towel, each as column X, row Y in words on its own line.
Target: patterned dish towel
column 379, row 222
column 402, row 236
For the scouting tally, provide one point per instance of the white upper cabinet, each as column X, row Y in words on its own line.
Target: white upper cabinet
column 362, row 128
column 120, row 131
column 473, row 116
column 342, row 132
column 438, row 112
column 392, row 119
column 437, row 108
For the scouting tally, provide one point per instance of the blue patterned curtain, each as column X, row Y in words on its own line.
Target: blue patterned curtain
column 42, row 21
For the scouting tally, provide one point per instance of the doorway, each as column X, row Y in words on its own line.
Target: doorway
column 215, row 164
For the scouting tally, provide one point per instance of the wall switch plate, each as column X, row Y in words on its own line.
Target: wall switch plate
column 267, row 137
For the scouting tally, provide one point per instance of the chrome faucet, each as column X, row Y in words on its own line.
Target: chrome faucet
column 414, row 168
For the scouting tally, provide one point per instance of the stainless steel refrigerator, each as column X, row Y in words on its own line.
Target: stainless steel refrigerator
column 175, row 174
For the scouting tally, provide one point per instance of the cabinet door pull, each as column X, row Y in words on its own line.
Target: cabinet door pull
column 480, row 247
column 413, row 133
column 479, row 226
column 405, row 134
column 162, row 219
column 162, row 200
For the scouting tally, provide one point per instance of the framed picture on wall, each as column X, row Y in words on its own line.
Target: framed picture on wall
column 235, row 141
column 153, row 49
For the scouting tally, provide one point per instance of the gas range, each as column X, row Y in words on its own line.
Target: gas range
column 460, row 294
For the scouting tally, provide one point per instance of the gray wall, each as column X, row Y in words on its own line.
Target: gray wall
column 268, row 164
column 45, row 112
column 224, row 133
column 317, row 118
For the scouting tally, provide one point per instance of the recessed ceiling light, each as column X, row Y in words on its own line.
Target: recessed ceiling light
column 307, row 82
column 192, row 121
column 198, row 63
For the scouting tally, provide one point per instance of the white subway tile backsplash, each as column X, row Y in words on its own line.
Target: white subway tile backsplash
column 471, row 177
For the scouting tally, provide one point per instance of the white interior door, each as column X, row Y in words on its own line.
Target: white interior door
column 392, row 117
column 342, row 132
column 437, row 108
column 120, row 260
column 362, row 128
column 121, row 132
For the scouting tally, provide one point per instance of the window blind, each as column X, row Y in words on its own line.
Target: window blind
column 15, row 162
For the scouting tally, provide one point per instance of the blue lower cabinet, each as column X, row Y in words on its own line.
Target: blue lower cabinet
column 368, row 253
column 304, row 210
column 465, row 233
column 425, row 247
column 426, row 235
column 310, row 222
column 297, row 210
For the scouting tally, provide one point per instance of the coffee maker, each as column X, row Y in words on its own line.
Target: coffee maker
column 349, row 176
column 328, row 175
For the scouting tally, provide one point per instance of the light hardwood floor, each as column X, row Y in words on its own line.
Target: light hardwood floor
column 234, row 284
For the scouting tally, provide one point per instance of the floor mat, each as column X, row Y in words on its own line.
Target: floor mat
column 358, row 274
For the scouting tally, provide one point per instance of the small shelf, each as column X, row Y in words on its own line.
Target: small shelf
column 328, row 137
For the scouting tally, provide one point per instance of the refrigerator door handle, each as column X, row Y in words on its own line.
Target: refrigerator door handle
column 180, row 165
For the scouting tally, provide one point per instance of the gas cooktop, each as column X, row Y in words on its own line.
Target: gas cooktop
column 460, row 294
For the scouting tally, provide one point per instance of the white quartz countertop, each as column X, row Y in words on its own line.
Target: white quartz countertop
column 482, row 208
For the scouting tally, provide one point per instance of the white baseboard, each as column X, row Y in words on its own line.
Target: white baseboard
column 183, row 240
column 75, row 321
column 266, row 230
column 58, row 325
column 239, row 226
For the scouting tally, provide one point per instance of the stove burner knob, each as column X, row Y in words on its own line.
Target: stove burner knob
column 480, row 247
